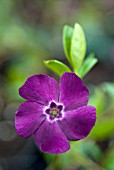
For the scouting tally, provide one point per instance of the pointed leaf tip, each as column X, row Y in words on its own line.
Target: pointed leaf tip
column 57, row 67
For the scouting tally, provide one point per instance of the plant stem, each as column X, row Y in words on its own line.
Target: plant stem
column 56, row 163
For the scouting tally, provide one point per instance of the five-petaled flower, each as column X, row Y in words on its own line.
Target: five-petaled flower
column 54, row 114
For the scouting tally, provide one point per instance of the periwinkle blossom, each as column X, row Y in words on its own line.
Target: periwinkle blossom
column 54, row 114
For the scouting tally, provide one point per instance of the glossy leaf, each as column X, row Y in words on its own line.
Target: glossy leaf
column 56, row 66
column 78, row 47
column 67, row 35
column 87, row 65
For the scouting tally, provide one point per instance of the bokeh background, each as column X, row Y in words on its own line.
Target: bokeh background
column 30, row 32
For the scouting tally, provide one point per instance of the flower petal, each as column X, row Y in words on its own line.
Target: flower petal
column 29, row 117
column 51, row 139
column 73, row 93
column 40, row 88
column 77, row 124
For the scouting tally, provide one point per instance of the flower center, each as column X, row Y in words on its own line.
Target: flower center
column 54, row 112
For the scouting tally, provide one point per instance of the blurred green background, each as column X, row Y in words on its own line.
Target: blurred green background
column 30, row 32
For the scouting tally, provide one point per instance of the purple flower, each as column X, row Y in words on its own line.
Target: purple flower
column 54, row 114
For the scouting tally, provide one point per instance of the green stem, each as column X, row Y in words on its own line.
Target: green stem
column 56, row 162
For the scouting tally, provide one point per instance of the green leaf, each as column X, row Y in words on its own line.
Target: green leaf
column 87, row 148
column 96, row 98
column 109, row 88
column 75, row 157
column 56, row 66
column 104, row 126
column 87, row 65
column 108, row 159
column 67, row 34
column 78, row 47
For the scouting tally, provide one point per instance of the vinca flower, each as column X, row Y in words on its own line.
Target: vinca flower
column 54, row 114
